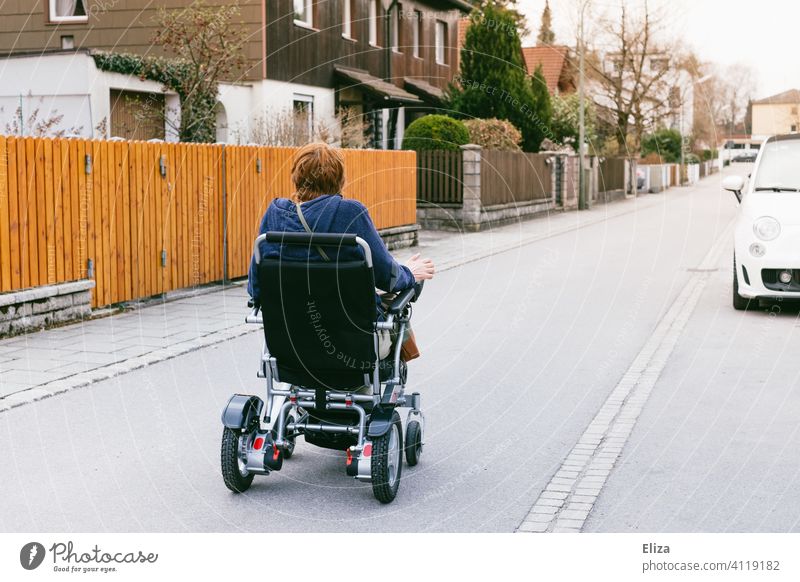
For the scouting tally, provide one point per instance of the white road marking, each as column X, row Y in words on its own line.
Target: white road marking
column 569, row 497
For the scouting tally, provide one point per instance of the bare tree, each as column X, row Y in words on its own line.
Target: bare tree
column 208, row 46
column 39, row 124
column 740, row 86
column 348, row 129
column 636, row 76
column 721, row 101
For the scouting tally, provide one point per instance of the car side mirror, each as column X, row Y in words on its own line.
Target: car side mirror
column 735, row 184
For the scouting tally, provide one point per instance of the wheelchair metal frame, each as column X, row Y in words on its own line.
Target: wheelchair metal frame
column 296, row 399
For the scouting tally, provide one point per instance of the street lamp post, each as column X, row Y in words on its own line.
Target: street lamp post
column 582, row 198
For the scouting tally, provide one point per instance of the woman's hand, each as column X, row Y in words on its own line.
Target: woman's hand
column 421, row 268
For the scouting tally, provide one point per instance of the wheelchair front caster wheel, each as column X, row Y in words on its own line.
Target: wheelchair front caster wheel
column 413, row 442
column 387, row 462
column 234, row 472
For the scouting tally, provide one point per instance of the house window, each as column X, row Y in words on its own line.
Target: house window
column 347, row 18
column 659, row 65
column 395, row 28
column 373, row 22
column 303, row 110
column 68, row 11
column 441, row 42
column 416, row 25
column 794, row 128
column 303, row 12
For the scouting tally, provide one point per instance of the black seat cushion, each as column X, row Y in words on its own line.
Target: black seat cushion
column 319, row 320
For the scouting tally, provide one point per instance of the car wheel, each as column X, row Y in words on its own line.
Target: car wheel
column 739, row 303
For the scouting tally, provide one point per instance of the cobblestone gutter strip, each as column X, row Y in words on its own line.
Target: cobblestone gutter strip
column 569, row 497
column 122, row 367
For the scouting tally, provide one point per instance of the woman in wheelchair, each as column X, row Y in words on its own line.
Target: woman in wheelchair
column 328, row 337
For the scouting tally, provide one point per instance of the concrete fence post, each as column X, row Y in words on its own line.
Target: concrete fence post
column 471, row 207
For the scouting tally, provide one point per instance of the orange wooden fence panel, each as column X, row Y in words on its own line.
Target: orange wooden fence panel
column 145, row 218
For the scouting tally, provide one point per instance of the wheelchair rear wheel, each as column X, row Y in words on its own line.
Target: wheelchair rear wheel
column 387, row 462
column 237, row 478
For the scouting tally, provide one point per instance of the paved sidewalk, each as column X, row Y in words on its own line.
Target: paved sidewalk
column 42, row 364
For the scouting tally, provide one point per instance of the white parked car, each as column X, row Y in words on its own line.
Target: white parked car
column 767, row 236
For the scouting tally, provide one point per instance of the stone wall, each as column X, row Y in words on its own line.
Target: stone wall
column 400, row 237
column 40, row 307
column 439, row 216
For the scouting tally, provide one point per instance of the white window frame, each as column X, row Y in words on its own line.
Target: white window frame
column 441, row 50
column 309, row 8
column 373, row 22
column 347, row 18
column 309, row 101
column 55, row 18
column 394, row 28
column 416, row 32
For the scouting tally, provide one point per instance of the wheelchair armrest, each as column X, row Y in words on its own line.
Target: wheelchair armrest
column 404, row 298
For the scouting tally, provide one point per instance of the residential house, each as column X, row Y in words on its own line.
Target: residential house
column 666, row 89
column 558, row 66
column 389, row 61
column 776, row 114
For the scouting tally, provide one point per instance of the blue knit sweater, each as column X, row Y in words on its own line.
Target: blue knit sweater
column 330, row 213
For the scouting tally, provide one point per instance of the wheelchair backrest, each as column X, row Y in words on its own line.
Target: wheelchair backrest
column 319, row 316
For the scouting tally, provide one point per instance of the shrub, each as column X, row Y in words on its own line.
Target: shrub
column 435, row 132
column 664, row 142
column 494, row 134
column 708, row 155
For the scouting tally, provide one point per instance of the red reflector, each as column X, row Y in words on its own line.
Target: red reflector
column 258, row 444
column 275, row 452
column 349, row 457
column 367, row 452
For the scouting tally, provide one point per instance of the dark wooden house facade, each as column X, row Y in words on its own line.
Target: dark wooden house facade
column 390, row 60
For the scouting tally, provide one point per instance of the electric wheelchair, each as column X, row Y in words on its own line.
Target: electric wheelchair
column 324, row 379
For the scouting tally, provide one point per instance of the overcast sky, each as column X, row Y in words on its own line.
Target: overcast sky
column 763, row 34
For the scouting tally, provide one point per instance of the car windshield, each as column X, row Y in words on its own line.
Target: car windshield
column 779, row 168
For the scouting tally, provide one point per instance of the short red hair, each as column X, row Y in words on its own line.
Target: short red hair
column 318, row 169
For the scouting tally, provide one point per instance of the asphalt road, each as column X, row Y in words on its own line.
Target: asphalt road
column 519, row 352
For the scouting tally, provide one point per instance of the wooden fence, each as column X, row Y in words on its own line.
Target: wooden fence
column 514, row 177
column 440, row 178
column 612, row 174
column 145, row 218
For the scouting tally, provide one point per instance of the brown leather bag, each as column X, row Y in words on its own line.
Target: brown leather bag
column 409, row 349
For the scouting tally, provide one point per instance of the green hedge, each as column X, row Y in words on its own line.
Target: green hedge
column 435, row 132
